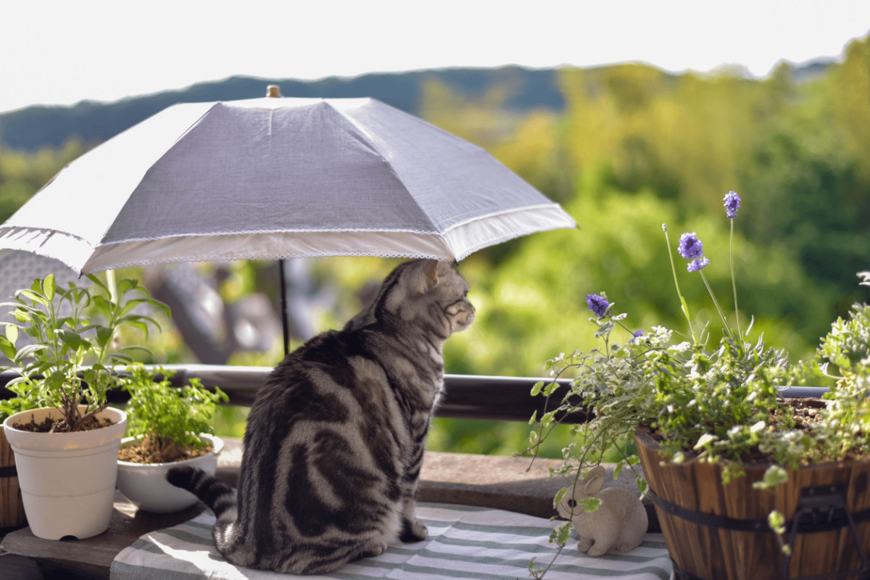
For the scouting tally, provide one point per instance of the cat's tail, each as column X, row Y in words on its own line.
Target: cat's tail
column 218, row 496
column 222, row 500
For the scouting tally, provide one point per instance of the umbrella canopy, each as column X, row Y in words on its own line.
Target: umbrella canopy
column 276, row 178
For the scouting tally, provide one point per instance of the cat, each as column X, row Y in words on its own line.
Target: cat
column 335, row 438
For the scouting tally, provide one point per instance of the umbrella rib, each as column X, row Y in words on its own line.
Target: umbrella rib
column 44, row 236
column 366, row 139
column 541, row 225
column 11, row 230
column 501, row 213
column 471, row 249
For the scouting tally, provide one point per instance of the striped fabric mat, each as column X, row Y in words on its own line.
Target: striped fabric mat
column 464, row 542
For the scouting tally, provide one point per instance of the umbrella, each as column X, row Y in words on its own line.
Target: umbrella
column 276, row 178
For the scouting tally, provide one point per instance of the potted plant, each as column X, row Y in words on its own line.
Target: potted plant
column 167, row 427
column 747, row 483
column 66, row 451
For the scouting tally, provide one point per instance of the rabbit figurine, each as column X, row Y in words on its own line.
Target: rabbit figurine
column 619, row 522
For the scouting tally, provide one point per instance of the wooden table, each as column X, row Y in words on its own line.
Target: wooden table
column 26, row 556
column 487, row 481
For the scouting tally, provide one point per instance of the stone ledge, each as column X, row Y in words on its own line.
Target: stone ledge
column 510, row 483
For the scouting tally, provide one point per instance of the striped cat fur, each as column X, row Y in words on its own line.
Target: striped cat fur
column 334, row 443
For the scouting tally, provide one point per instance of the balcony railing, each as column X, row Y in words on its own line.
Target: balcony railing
column 466, row 396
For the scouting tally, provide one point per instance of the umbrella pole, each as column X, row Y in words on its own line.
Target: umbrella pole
column 284, row 324
column 274, row 91
column 113, row 286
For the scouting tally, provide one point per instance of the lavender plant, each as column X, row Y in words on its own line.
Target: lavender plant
column 719, row 403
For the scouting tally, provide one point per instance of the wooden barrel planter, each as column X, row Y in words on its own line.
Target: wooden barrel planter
column 720, row 532
column 11, row 507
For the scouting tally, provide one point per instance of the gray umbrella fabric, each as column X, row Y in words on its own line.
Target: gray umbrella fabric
column 277, row 178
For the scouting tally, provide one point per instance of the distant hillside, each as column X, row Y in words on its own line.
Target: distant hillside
column 35, row 127
column 40, row 126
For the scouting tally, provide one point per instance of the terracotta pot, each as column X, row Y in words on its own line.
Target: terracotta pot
column 145, row 484
column 719, row 532
column 67, row 479
column 11, row 505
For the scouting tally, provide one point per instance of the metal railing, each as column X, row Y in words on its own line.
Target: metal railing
column 465, row 397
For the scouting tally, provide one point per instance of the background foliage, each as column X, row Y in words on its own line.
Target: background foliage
column 624, row 149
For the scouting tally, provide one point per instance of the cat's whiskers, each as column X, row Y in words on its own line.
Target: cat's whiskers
column 478, row 331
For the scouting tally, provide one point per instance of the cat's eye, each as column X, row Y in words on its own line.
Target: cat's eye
column 572, row 503
column 465, row 294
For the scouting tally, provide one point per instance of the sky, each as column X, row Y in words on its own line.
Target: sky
column 59, row 52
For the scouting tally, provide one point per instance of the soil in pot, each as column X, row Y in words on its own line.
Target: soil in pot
column 52, row 425
column 159, row 450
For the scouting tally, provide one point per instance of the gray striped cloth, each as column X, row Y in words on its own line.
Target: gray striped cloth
column 464, row 542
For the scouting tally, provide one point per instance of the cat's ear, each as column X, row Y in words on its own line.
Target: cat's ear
column 432, row 273
column 427, row 277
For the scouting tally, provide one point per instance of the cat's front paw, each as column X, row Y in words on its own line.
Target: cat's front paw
column 373, row 550
column 413, row 532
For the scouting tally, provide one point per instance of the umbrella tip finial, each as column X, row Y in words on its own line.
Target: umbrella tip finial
column 273, row 91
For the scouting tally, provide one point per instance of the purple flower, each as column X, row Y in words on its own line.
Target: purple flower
column 597, row 304
column 698, row 263
column 690, row 246
column 732, row 204
column 639, row 333
column 692, row 249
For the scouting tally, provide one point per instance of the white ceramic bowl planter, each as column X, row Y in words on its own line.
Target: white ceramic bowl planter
column 67, row 480
column 145, row 484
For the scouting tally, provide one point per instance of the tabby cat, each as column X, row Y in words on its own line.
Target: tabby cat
column 335, row 438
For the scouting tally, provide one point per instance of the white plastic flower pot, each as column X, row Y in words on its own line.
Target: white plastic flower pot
column 145, row 484
column 67, row 480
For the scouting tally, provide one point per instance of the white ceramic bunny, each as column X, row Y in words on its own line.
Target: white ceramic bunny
column 620, row 522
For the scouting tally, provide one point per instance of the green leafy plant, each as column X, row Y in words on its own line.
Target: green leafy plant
column 845, row 426
column 70, row 362
column 716, row 404
column 23, row 401
column 169, row 419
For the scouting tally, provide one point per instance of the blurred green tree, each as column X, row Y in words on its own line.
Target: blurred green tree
column 22, row 174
